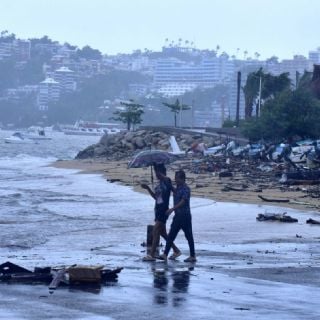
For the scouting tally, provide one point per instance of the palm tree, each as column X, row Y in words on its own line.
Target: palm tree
column 4, row 33
column 217, row 48
column 176, row 108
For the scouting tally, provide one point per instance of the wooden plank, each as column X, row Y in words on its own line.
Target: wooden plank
column 273, row 200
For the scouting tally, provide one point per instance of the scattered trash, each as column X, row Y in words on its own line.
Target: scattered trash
column 74, row 275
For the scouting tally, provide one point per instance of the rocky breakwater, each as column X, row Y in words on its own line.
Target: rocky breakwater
column 125, row 144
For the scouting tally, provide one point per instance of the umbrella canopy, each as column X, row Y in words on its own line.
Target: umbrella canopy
column 151, row 157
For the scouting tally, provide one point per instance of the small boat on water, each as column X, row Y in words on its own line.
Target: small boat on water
column 36, row 133
column 90, row 128
column 18, row 138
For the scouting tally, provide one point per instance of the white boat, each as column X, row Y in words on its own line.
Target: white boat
column 18, row 138
column 83, row 131
column 88, row 128
column 36, row 133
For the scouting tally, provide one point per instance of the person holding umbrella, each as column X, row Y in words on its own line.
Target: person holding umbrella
column 161, row 195
column 182, row 217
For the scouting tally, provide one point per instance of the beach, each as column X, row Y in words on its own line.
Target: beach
column 204, row 185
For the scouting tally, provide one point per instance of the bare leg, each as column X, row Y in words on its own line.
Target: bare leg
column 155, row 237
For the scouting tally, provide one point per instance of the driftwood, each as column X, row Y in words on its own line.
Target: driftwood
column 273, row 200
column 282, row 217
column 312, row 221
column 229, row 188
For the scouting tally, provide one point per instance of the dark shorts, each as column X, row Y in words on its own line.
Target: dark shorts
column 160, row 213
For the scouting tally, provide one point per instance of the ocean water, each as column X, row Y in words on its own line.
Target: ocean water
column 39, row 203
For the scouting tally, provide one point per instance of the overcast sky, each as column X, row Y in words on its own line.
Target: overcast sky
column 270, row 27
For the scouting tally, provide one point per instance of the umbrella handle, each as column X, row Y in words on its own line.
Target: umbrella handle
column 151, row 176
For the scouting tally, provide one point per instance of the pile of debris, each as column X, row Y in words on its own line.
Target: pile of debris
column 71, row 276
column 124, row 144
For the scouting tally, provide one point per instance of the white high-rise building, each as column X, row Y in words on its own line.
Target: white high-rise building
column 66, row 79
column 208, row 73
column 19, row 48
column 298, row 64
column 314, row 56
column 49, row 91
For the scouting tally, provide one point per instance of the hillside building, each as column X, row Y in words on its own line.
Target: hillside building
column 66, row 79
column 49, row 91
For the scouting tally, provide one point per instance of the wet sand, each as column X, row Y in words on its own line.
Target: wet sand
column 206, row 185
column 245, row 270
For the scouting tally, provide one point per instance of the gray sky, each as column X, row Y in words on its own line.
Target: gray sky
column 270, row 27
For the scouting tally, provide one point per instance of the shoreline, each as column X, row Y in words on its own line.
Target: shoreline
column 206, row 185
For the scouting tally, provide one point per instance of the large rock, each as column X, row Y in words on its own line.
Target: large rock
column 100, row 150
column 141, row 133
column 128, row 145
column 164, row 144
column 129, row 136
column 108, row 140
column 148, row 139
column 86, row 153
column 155, row 140
column 139, row 142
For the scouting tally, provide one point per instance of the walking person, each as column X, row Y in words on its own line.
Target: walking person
column 161, row 195
column 182, row 218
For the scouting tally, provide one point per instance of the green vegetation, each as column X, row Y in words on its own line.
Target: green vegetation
column 131, row 115
column 270, row 87
column 285, row 112
column 8, row 74
column 89, row 53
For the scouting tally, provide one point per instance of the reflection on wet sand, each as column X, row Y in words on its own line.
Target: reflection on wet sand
column 179, row 288
column 94, row 288
column 160, row 282
column 181, row 279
